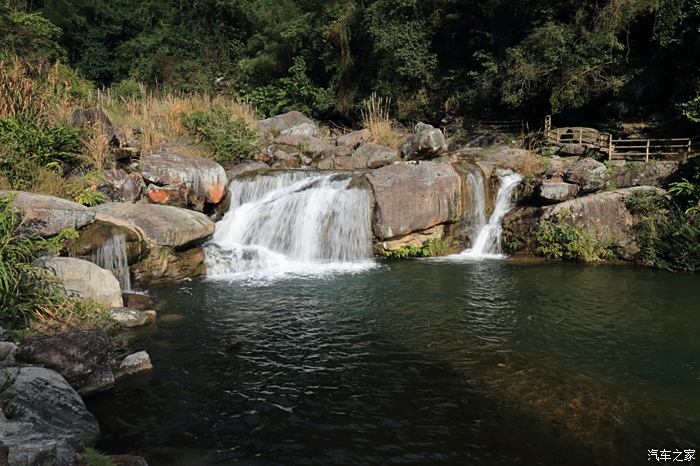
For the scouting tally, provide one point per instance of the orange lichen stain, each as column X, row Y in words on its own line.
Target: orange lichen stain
column 159, row 197
column 216, row 193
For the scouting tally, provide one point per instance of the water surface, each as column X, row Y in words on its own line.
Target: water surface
column 417, row 362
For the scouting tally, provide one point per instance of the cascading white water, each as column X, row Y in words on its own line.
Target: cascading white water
column 112, row 256
column 292, row 222
column 488, row 241
column 477, row 196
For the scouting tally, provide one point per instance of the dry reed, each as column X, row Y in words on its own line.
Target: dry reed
column 376, row 119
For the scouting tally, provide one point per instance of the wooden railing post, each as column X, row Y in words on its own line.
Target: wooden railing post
column 610, row 147
column 648, row 147
column 558, row 135
column 547, row 123
column 580, row 136
column 690, row 146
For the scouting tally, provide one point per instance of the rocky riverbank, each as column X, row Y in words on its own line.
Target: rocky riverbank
column 427, row 194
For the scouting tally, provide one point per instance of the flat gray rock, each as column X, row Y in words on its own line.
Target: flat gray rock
column 160, row 225
column 48, row 215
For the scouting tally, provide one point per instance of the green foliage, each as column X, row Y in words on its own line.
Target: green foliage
column 293, row 92
column 559, row 240
column 29, row 35
column 436, row 247
column 96, row 458
column 668, row 237
column 230, row 140
column 25, row 287
column 26, row 146
column 126, row 89
column 83, row 190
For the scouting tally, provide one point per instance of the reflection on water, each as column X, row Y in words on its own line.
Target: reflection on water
column 418, row 362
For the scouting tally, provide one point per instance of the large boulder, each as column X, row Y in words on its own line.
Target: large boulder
column 105, row 227
column 374, row 156
column 298, row 143
column 426, row 142
column 587, row 173
column 159, row 225
column 163, row 265
column 48, row 215
column 291, row 123
column 551, row 192
column 120, row 186
column 52, row 426
column 84, row 358
column 354, row 139
column 86, row 280
column 245, row 167
column 652, row 173
column 203, row 180
column 413, row 197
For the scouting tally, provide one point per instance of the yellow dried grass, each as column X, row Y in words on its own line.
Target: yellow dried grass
column 158, row 117
column 376, row 119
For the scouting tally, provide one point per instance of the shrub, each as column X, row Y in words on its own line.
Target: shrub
column 25, row 288
column 436, row 247
column 559, row 240
column 231, row 140
column 668, row 235
column 27, row 146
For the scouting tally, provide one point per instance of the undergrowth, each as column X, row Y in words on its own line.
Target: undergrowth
column 436, row 247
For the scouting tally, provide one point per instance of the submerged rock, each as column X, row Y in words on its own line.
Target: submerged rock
column 52, row 423
column 83, row 358
column 134, row 363
column 47, row 215
column 130, row 317
column 139, row 301
column 86, row 280
column 413, row 197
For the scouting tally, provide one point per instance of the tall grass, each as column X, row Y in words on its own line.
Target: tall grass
column 376, row 118
column 158, row 115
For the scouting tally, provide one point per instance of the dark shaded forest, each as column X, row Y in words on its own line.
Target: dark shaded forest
column 590, row 61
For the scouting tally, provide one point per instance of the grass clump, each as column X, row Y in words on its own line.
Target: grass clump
column 158, row 116
column 557, row 239
column 97, row 458
column 436, row 247
column 376, row 119
column 231, row 140
column 31, row 298
column 668, row 231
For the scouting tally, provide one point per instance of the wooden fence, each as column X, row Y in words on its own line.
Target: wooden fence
column 632, row 148
column 504, row 126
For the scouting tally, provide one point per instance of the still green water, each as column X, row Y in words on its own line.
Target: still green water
column 417, row 362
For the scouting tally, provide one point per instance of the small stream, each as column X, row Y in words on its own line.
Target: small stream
column 416, row 362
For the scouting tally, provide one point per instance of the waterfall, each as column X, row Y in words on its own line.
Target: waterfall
column 112, row 256
column 292, row 222
column 488, row 241
column 477, row 195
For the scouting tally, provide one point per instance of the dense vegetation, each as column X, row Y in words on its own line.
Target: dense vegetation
column 612, row 59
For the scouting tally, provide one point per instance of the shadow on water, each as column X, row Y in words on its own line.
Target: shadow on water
column 417, row 362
